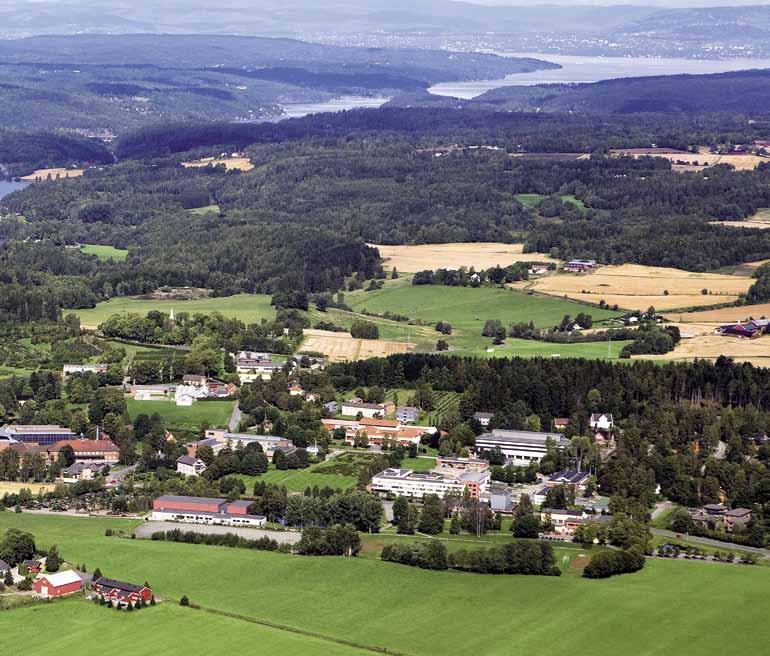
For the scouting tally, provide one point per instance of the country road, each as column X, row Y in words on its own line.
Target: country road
column 729, row 546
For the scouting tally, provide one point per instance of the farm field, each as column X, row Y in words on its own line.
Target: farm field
column 52, row 174
column 453, row 256
column 341, row 347
column 298, row 480
column 165, row 629
column 230, row 163
column 466, row 309
column 104, row 252
column 695, row 161
column 186, row 418
column 723, row 315
column 250, row 308
column 11, row 487
column 759, row 221
column 710, row 347
column 384, row 604
column 637, row 287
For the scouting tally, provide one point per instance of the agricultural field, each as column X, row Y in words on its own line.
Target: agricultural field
column 11, row 487
column 230, row 163
column 42, row 175
column 453, row 256
column 340, row 473
column 383, row 604
column 250, row 308
column 342, row 347
column 724, row 315
column 759, row 221
column 710, row 347
column 683, row 161
column 637, row 287
column 184, row 418
column 105, row 252
column 466, row 309
column 207, row 209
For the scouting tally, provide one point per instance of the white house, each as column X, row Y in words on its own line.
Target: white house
column 185, row 395
column 189, row 466
column 368, row 410
column 601, row 421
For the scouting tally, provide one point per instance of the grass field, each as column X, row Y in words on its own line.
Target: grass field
column 207, row 209
column 637, row 287
column 343, row 347
column 250, row 308
column 668, row 608
column 230, row 163
column 467, row 309
column 165, row 629
column 186, row 418
column 298, row 480
column 453, row 256
column 531, row 201
column 11, row 487
column 105, row 252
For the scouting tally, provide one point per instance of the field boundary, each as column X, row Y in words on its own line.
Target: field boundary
column 292, row 629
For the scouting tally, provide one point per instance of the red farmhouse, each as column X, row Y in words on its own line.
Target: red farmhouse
column 57, row 585
column 121, row 592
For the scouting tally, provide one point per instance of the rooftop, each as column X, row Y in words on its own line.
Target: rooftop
column 62, row 578
column 521, row 437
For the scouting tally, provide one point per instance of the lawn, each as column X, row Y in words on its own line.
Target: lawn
column 668, row 608
column 250, row 308
column 466, row 309
column 165, row 629
column 105, row 252
column 298, row 480
column 186, row 418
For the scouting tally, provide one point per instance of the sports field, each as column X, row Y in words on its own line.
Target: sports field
column 187, row 418
column 637, row 287
column 453, row 256
column 104, row 252
column 250, row 308
column 407, row 610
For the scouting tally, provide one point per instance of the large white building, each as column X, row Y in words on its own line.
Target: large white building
column 368, row 410
column 408, row 483
column 521, row 447
column 225, row 438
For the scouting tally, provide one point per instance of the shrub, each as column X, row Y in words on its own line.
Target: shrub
column 610, row 563
column 184, row 601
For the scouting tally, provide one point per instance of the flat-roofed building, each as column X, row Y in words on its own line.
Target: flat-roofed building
column 204, row 510
column 36, row 433
column 416, row 485
column 518, row 446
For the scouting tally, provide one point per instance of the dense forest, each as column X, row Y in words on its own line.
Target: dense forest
column 23, row 152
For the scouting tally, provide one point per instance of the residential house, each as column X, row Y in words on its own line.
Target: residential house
column 81, row 471
column 564, row 521
column 296, row 390
column 190, row 466
column 194, row 380
column 202, row 510
column 369, row 410
column 560, row 424
column 483, row 417
column 32, row 566
column 566, row 477
column 407, row 414
column 4, row 567
column 520, row 447
column 218, row 389
column 332, row 407
column 59, row 584
column 601, row 421
column 716, row 516
column 579, row 266
column 501, row 499
column 121, row 592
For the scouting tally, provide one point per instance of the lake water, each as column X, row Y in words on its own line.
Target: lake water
column 298, row 110
column 592, row 69
column 6, row 187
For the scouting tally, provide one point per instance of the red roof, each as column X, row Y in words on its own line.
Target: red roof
column 390, row 423
column 86, row 445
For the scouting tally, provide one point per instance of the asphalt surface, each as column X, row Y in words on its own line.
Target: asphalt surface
column 283, row 537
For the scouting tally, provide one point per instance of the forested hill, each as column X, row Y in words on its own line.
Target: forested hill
column 741, row 92
column 22, row 152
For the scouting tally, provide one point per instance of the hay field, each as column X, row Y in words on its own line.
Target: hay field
column 710, row 347
column 53, row 174
column 723, row 315
column 635, row 286
column 11, row 487
column 342, row 347
column 759, row 221
column 230, row 163
column 695, row 161
column 483, row 255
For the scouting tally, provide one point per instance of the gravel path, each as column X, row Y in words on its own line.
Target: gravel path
column 284, row 537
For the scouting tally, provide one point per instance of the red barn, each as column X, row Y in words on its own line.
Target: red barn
column 57, row 585
column 121, row 592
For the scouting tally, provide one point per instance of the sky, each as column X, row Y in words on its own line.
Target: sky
column 637, row 3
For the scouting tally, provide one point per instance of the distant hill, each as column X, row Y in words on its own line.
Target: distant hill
column 741, row 92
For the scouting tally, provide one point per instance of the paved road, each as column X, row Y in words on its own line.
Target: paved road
column 235, row 418
column 284, row 537
column 120, row 474
column 729, row 546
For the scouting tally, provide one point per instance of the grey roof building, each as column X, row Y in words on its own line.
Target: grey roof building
column 521, row 447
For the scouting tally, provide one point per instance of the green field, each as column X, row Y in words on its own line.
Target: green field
column 207, row 209
column 467, row 309
column 531, row 201
column 669, row 608
column 166, row 629
column 250, row 308
column 216, row 413
column 298, row 480
column 105, row 252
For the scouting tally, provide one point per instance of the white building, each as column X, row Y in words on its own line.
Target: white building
column 368, row 410
column 152, row 392
column 483, row 417
column 225, row 438
column 189, row 466
column 252, row 366
column 186, row 395
column 601, row 421
column 520, row 447
column 407, row 483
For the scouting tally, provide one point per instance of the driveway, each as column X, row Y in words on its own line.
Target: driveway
column 283, row 537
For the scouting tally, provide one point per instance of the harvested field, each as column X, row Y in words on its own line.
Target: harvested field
column 760, row 221
column 342, row 347
column 685, row 161
column 723, row 315
column 52, row 174
column 710, row 347
column 8, row 487
column 230, row 163
column 453, row 256
column 634, row 286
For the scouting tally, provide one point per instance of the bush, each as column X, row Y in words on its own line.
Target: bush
column 184, row 601
column 610, row 563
